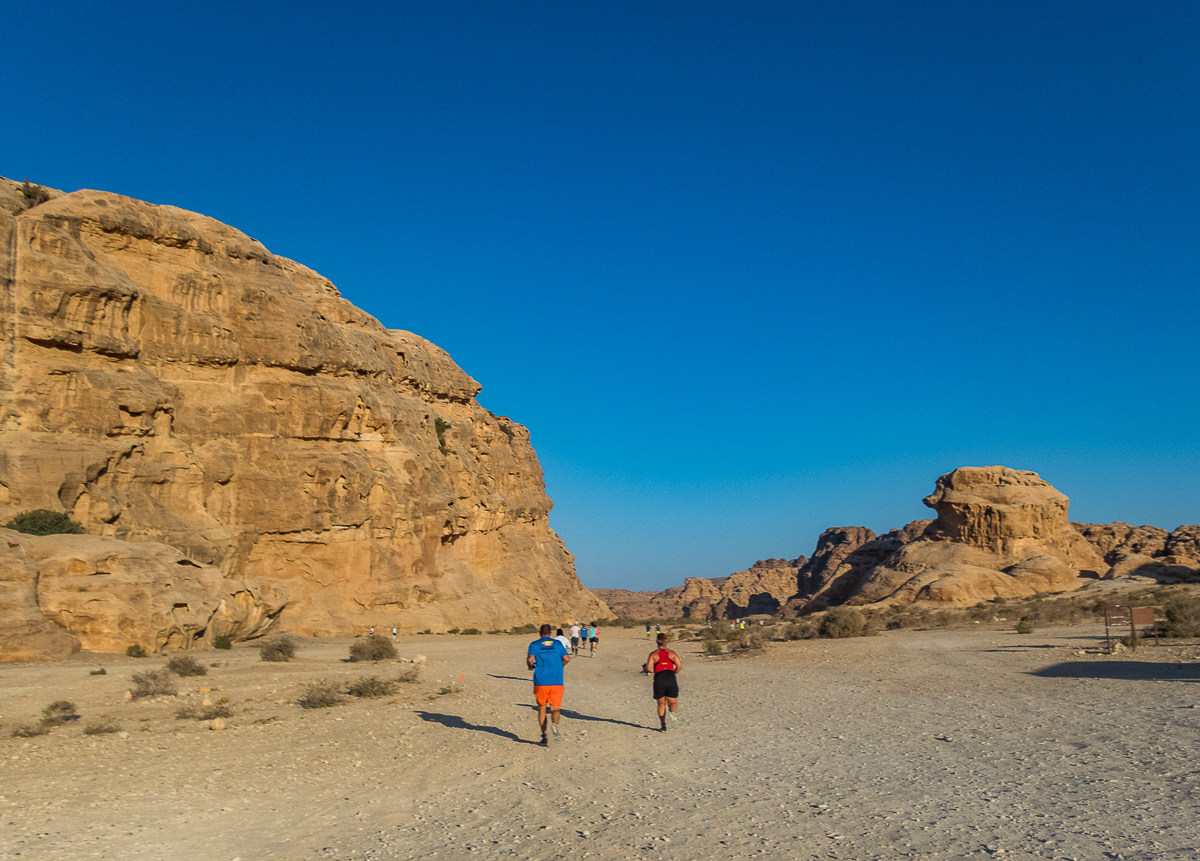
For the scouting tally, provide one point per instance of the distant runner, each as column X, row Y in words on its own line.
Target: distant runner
column 575, row 639
column 664, row 663
column 562, row 639
column 547, row 657
column 593, row 637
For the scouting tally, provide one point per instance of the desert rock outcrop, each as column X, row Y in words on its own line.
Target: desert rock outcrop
column 165, row 378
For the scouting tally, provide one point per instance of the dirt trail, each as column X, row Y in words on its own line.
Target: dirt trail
column 954, row 744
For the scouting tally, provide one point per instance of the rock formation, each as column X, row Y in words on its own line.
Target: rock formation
column 165, row 378
column 999, row 532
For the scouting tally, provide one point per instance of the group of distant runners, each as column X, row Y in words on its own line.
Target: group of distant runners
column 548, row 655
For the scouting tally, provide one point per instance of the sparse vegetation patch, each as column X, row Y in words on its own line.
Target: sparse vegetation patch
column 42, row 521
column 373, row 648
column 279, row 650
column 155, row 683
column 184, row 665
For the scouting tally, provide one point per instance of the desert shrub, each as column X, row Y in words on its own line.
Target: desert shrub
column 495, row 631
column 409, row 676
column 219, row 710
column 99, row 672
column 1024, row 627
column 184, row 665
column 42, row 521
column 528, row 628
column 103, row 726
column 472, row 631
column 154, row 683
column 454, row 688
column 801, row 629
column 370, row 686
column 58, row 713
column 712, row 642
column 373, row 648
column 1183, row 616
column 453, row 631
column 30, row 730
column 279, row 650
column 34, row 194
column 320, row 694
column 841, row 622
column 750, row 639
column 222, row 641
column 440, row 426
column 136, row 651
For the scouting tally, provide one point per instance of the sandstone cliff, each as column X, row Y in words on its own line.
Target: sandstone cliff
column 165, row 378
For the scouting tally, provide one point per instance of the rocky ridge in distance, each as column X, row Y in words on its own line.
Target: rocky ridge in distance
column 999, row 533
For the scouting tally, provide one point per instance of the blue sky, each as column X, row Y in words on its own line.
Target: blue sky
column 745, row 270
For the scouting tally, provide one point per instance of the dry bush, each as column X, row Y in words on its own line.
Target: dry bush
column 222, row 641
column 279, row 650
column 220, row 710
column 373, row 648
column 183, row 665
column 1183, row 616
column 154, row 683
column 752, row 639
column 1024, row 627
column 320, row 694
column 371, row 686
column 841, row 622
column 102, row 726
column 409, row 676
column 58, row 713
column 30, row 730
column 136, row 651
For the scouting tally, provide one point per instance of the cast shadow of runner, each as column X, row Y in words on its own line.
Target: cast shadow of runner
column 526, row 680
column 456, row 722
column 574, row 715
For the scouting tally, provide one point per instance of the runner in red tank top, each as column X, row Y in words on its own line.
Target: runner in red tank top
column 664, row 663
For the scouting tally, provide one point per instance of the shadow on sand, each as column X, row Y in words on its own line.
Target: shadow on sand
column 527, row 680
column 455, row 722
column 1132, row 671
column 574, row 715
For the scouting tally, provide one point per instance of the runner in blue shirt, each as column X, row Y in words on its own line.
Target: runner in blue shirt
column 547, row 657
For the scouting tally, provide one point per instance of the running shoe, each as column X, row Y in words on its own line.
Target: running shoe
column 674, row 724
column 554, row 729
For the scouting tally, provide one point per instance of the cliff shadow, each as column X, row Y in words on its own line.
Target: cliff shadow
column 456, row 722
column 1130, row 671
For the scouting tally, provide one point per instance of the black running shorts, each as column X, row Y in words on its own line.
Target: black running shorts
column 665, row 685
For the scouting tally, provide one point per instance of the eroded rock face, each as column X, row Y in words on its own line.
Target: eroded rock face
column 166, row 378
column 111, row 594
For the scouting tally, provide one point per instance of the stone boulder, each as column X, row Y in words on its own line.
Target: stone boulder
column 165, row 378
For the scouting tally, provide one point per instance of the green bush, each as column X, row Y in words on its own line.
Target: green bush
column 373, row 648
column 183, row 665
column 42, row 521
column 58, row 713
column 102, row 726
column 280, row 650
column 528, row 628
column 370, row 686
column 1024, row 627
column 136, row 651
column 155, row 683
column 453, row 631
column 472, row 631
column 842, row 622
column 320, row 694
column 222, row 641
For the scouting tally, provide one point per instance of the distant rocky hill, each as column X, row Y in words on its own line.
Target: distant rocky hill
column 210, row 409
column 999, row 532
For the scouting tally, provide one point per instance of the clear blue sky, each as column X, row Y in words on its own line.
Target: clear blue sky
column 746, row 270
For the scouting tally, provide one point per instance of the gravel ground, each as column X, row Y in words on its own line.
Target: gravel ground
column 976, row 743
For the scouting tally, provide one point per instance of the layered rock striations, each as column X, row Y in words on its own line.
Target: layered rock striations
column 165, row 378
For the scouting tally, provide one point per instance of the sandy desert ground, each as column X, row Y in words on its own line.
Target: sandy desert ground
column 976, row 743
